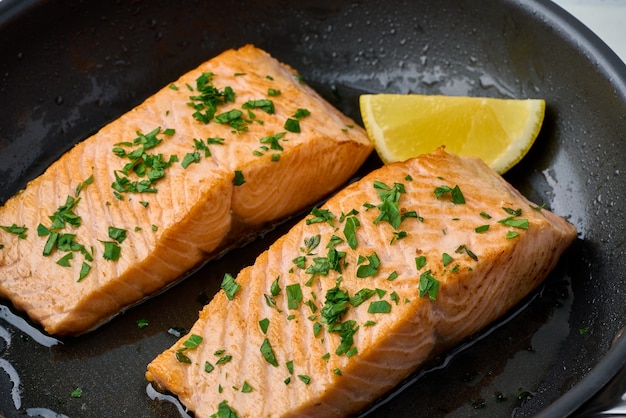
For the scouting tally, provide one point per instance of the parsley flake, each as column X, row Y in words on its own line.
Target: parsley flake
column 268, row 353
column 230, row 286
column 238, row 179
column 369, row 270
column 20, row 231
column 428, row 285
column 294, row 295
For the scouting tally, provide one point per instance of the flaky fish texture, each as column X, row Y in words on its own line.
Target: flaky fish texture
column 231, row 147
column 408, row 261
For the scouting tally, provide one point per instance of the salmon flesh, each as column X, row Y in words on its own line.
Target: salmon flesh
column 405, row 263
column 228, row 149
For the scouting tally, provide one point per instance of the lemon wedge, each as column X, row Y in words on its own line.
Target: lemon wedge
column 499, row 131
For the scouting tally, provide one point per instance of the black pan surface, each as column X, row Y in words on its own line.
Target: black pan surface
column 69, row 67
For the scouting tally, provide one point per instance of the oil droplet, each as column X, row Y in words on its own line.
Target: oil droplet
column 26, row 328
column 15, row 379
column 154, row 394
column 44, row 412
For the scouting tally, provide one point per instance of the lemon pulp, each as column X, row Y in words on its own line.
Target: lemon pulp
column 499, row 131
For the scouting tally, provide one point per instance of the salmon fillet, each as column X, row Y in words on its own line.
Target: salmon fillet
column 408, row 261
column 228, row 149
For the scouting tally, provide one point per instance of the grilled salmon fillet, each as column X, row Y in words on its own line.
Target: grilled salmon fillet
column 395, row 268
column 228, row 149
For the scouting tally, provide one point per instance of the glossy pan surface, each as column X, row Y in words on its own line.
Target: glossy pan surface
column 69, row 67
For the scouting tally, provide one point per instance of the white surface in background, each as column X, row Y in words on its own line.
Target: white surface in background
column 607, row 18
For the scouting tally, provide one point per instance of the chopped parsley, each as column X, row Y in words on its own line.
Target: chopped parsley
column 420, row 261
column 224, row 411
column 512, row 234
column 190, row 157
column 321, row 215
column 82, row 185
column 208, row 367
column 311, row 243
column 361, row 296
column 149, row 168
column 446, row 259
column 292, row 124
column 264, row 325
column 300, row 261
column 268, row 353
column 349, row 231
column 370, row 269
column 112, row 251
column 428, row 286
column 455, row 194
column 389, row 208
column 192, row 342
column 246, row 388
column 65, row 260
column 209, row 98
column 273, row 141
column 335, row 306
column 117, row 234
column 275, row 288
column 379, row 306
column 306, row 379
column 264, row 104
column 515, row 222
column 224, row 359
column 84, row 271
column 346, row 331
column 513, row 212
column 230, row 286
column 238, row 179
column 233, row 118
column 294, row 295
column 463, row 249
column 20, row 231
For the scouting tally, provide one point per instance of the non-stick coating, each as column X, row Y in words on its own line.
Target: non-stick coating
column 69, row 67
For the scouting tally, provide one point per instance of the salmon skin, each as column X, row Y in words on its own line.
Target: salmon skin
column 405, row 263
column 233, row 146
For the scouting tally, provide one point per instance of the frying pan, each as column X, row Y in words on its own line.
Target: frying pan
column 69, row 67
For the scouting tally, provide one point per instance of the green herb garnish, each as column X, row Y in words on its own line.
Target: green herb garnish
column 369, row 270
column 455, row 193
column 205, row 104
column 349, row 231
column 446, row 259
column 264, row 325
column 428, row 285
column 238, row 180
column 264, row 104
column 268, row 353
column 294, row 295
column 20, row 231
column 230, row 286
column 112, row 251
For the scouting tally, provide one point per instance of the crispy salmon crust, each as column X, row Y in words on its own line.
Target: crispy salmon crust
column 222, row 182
column 437, row 266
